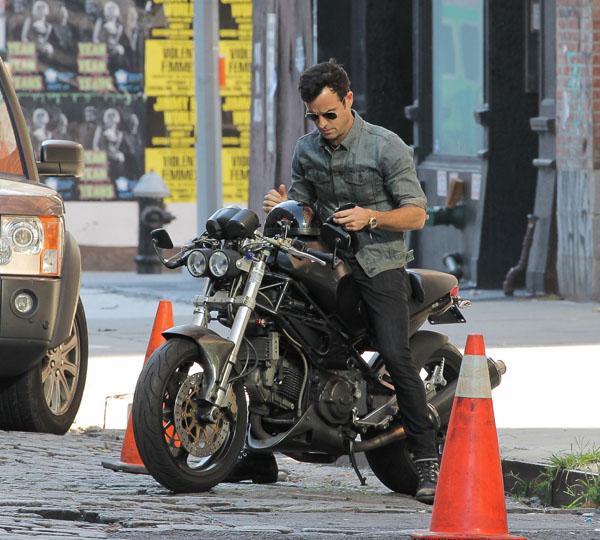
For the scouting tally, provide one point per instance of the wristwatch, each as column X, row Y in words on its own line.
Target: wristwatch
column 372, row 223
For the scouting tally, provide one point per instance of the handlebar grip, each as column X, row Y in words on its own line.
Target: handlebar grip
column 176, row 261
column 327, row 257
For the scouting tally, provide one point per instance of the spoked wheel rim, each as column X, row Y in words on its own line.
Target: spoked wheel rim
column 194, row 445
column 60, row 373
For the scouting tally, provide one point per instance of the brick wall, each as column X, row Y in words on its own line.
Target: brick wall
column 578, row 147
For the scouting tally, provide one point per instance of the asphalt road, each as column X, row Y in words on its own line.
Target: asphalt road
column 55, row 487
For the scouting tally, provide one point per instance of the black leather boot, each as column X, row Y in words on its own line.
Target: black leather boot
column 428, row 471
column 260, row 468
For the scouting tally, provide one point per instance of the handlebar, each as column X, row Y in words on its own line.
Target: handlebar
column 285, row 245
column 175, row 261
column 305, row 255
column 299, row 250
column 327, row 258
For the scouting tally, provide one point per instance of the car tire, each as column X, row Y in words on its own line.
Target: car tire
column 46, row 398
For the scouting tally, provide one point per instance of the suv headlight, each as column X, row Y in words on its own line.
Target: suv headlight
column 31, row 246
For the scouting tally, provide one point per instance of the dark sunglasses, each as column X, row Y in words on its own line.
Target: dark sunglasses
column 315, row 116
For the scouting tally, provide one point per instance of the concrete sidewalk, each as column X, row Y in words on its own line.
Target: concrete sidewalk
column 545, row 405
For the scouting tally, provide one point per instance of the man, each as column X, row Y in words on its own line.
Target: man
column 347, row 160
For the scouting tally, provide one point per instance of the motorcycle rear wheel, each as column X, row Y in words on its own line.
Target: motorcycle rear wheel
column 392, row 464
column 180, row 452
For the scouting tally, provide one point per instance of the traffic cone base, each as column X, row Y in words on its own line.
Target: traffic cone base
column 120, row 466
column 131, row 461
column 458, row 536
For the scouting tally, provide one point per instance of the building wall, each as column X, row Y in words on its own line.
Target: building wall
column 578, row 148
column 107, row 232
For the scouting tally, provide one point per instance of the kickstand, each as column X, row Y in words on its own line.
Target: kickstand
column 352, row 455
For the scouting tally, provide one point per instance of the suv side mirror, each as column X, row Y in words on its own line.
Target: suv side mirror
column 60, row 158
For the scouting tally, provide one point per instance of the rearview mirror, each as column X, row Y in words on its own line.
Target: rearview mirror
column 334, row 237
column 161, row 239
column 61, row 158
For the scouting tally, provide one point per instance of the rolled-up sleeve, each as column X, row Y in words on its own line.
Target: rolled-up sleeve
column 399, row 174
column 301, row 189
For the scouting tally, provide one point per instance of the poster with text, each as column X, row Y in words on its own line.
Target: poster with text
column 69, row 45
column 110, row 130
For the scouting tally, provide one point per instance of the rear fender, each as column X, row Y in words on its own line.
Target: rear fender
column 424, row 343
column 214, row 351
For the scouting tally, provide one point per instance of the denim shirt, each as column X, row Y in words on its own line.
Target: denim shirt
column 373, row 168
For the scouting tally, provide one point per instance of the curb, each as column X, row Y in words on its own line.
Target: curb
column 526, row 479
column 555, row 488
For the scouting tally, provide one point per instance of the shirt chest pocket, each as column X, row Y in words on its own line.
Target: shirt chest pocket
column 321, row 182
column 360, row 186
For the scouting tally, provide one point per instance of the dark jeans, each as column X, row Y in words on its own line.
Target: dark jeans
column 386, row 297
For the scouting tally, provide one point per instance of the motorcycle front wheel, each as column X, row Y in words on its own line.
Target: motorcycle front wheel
column 392, row 464
column 181, row 451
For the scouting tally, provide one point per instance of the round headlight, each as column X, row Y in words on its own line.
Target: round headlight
column 197, row 262
column 25, row 236
column 218, row 264
column 24, row 302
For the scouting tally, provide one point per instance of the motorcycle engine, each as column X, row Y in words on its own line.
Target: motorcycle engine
column 277, row 380
column 274, row 387
column 339, row 393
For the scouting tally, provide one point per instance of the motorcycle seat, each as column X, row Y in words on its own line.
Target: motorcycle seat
column 429, row 285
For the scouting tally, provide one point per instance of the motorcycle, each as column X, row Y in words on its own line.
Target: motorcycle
column 298, row 372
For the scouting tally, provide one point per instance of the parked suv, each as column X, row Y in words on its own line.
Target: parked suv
column 43, row 331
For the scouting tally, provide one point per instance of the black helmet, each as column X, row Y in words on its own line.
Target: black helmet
column 300, row 218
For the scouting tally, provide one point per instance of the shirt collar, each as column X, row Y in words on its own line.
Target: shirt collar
column 350, row 138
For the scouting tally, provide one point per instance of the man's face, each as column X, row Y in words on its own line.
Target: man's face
column 328, row 101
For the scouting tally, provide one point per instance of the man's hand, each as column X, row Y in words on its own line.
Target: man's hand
column 274, row 197
column 354, row 219
column 405, row 218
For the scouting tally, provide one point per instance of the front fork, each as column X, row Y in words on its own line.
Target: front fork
column 247, row 303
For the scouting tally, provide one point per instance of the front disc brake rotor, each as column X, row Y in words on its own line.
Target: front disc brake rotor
column 199, row 438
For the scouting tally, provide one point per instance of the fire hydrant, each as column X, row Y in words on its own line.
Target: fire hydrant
column 150, row 193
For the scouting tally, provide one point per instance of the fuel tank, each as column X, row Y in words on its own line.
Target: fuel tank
column 333, row 289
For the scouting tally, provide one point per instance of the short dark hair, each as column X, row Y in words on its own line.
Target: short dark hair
column 326, row 74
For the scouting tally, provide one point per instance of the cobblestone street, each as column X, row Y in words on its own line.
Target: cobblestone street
column 55, row 487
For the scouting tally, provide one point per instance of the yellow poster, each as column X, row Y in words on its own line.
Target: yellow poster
column 235, row 52
column 169, row 67
column 177, row 166
column 237, row 62
column 235, row 164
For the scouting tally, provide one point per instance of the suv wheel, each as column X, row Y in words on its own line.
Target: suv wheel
column 47, row 397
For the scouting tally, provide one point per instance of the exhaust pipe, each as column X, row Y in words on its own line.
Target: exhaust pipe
column 440, row 408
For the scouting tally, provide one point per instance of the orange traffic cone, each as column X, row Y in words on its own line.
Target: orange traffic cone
column 130, row 458
column 469, row 501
